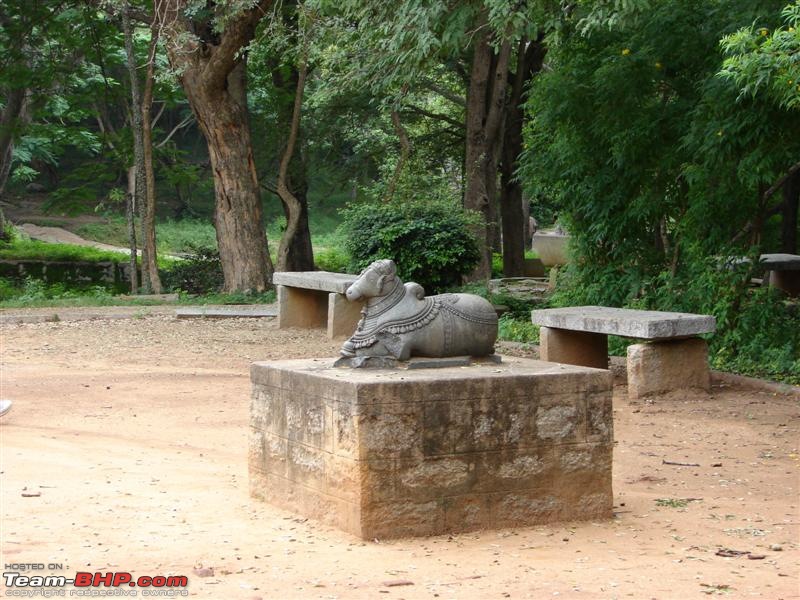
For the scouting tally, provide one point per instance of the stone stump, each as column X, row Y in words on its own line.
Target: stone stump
column 392, row 453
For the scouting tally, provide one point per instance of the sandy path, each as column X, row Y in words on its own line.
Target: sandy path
column 57, row 235
column 135, row 434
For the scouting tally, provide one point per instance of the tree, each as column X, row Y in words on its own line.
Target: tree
column 280, row 67
column 404, row 41
column 207, row 49
column 529, row 61
column 764, row 63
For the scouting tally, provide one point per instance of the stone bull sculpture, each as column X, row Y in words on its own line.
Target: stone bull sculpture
column 398, row 321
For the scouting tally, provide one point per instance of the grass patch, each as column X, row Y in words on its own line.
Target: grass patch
column 185, row 235
column 34, row 293
column 514, row 329
column 267, row 297
column 36, row 250
column 675, row 502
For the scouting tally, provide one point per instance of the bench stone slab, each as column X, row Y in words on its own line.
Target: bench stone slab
column 780, row 262
column 324, row 281
column 642, row 324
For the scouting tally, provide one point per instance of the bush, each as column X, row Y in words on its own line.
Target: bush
column 431, row 242
column 334, row 260
column 201, row 273
column 515, row 329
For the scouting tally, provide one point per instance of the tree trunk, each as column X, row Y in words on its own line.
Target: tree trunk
column 10, row 116
column 238, row 215
column 294, row 252
column 212, row 64
column 130, row 217
column 485, row 104
column 791, row 200
column 138, row 191
column 530, row 56
column 405, row 152
column 149, row 252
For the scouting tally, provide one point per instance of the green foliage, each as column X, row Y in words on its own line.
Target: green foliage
column 23, row 249
column 199, row 274
column 334, row 260
column 430, row 241
column 515, row 329
column 36, row 292
column 267, row 297
column 185, row 235
column 659, row 164
column 760, row 61
column 673, row 502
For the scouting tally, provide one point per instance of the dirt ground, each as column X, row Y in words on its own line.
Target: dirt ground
column 126, row 450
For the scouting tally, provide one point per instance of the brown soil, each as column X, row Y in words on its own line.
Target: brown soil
column 134, row 433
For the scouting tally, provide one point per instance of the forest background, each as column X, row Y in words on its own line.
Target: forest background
column 664, row 136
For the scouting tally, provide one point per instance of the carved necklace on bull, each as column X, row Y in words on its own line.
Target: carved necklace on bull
column 408, row 310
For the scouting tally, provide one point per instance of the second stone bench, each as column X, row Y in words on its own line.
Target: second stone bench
column 315, row 299
column 674, row 359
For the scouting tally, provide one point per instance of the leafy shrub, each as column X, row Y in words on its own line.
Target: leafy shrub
column 335, row 260
column 185, row 235
column 515, row 329
column 33, row 291
column 430, row 241
column 201, row 273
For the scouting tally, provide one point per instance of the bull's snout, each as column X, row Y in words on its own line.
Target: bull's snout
column 353, row 293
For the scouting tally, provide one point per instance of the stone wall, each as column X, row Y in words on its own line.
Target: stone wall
column 392, row 453
column 72, row 273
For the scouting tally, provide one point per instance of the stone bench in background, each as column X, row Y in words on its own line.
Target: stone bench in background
column 315, row 299
column 674, row 359
column 782, row 272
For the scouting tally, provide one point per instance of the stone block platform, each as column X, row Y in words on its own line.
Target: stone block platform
column 393, row 453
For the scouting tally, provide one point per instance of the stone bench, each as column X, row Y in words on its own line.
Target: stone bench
column 315, row 299
column 783, row 272
column 674, row 358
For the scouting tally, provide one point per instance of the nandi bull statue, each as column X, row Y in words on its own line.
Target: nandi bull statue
column 399, row 322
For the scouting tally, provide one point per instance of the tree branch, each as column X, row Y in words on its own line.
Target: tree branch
column 437, row 116
column 233, row 40
column 405, row 152
column 445, row 93
column 189, row 119
column 779, row 184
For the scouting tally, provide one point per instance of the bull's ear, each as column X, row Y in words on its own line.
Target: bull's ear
column 381, row 282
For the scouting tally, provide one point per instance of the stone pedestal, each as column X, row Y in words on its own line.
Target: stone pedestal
column 661, row 367
column 392, row 453
column 573, row 347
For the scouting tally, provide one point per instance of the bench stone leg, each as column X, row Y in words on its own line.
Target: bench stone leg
column 573, row 347
column 343, row 316
column 788, row 281
column 660, row 367
column 302, row 308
